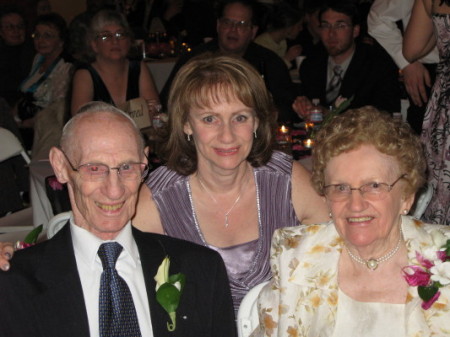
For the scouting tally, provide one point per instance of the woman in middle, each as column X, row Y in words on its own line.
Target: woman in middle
column 111, row 77
column 223, row 186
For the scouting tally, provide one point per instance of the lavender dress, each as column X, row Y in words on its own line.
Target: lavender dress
column 436, row 129
column 247, row 264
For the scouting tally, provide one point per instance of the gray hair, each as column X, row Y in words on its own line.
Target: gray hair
column 107, row 17
column 91, row 109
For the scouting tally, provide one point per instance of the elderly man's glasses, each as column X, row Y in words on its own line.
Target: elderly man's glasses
column 233, row 24
column 371, row 191
column 338, row 26
column 110, row 36
column 98, row 172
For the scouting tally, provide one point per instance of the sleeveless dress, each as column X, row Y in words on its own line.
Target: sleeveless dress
column 436, row 129
column 247, row 264
column 101, row 93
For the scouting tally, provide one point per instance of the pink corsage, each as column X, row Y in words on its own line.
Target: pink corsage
column 431, row 272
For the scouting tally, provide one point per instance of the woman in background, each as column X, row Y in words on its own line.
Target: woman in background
column 430, row 24
column 112, row 77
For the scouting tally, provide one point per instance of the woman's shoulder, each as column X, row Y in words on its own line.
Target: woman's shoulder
column 280, row 162
column 313, row 232
column 163, row 178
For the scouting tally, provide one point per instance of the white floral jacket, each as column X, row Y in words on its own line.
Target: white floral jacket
column 301, row 299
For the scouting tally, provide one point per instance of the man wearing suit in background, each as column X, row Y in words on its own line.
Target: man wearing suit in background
column 347, row 67
column 57, row 288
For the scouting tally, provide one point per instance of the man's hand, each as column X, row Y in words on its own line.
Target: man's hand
column 293, row 52
column 416, row 77
column 302, row 105
column 6, row 253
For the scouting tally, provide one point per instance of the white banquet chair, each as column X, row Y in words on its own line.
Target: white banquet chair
column 423, row 199
column 56, row 223
column 11, row 146
column 247, row 317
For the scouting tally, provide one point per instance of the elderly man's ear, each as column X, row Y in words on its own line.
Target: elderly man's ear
column 59, row 164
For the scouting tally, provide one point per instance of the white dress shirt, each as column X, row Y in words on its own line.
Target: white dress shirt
column 382, row 26
column 128, row 266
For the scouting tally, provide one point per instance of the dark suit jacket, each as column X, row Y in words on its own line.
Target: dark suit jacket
column 42, row 295
column 266, row 62
column 371, row 77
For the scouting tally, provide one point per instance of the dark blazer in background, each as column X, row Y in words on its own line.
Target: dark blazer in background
column 42, row 295
column 371, row 77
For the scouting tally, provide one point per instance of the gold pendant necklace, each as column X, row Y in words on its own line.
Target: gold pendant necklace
column 373, row 263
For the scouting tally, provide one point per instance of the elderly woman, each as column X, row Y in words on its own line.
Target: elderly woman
column 357, row 275
column 223, row 187
column 111, row 77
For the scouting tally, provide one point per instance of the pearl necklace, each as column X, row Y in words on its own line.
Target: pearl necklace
column 215, row 200
column 372, row 263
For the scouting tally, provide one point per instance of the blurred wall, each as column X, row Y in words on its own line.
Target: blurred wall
column 68, row 8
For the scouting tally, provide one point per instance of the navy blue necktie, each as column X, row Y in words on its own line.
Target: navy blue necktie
column 117, row 315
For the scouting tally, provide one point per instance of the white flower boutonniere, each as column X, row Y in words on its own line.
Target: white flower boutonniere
column 168, row 291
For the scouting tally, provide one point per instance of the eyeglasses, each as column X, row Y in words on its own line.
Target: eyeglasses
column 239, row 25
column 98, row 172
column 104, row 37
column 371, row 191
column 14, row 27
column 338, row 26
column 45, row 36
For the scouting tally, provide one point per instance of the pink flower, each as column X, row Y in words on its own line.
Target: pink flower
column 423, row 261
column 55, row 184
column 418, row 277
column 441, row 255
column 427, row 304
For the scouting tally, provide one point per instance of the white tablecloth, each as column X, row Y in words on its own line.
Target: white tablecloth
column 161, row 70
column 42, row 209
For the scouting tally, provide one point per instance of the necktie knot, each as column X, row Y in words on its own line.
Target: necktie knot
column 337, row 70
column 109, row 253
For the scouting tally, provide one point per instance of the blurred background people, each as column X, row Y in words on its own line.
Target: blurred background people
column 418, row 76
column 50, row 75
column 111, row 77
column 347, row 67
column 332, row 279
column 284, row 24
column 16, row 53
column 430, row 25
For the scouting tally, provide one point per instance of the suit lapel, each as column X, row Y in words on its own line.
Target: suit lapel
column 59, row 301
column 350, row 82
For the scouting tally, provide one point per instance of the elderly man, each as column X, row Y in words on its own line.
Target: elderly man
column 236, row 29
column 96, row 276
column 346, row 67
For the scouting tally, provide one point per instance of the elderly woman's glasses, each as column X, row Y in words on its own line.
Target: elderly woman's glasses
column 110, row 36
column 98, row 172
column 371, row 191
column 231, row 24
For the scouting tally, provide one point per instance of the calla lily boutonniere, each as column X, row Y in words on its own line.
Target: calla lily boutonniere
column 168, row 291
column 30, row 239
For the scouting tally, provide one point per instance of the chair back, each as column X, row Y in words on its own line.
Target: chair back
column 11, row 146
column 56, row 223
column 422, row 201
column 247, row 317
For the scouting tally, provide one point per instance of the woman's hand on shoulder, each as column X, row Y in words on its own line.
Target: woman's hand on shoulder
column 309, row 206
column 6, row 253
column 147, row 218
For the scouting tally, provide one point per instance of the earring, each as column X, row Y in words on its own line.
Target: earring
column 254, row 133
column 188, row 137
column 330, row 215
column 405, row 211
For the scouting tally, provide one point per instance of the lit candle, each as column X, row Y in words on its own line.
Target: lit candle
column 284, row 129
column 308, row 143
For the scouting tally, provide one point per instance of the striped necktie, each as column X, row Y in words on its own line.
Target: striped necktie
column 117, row 315
column 335, row 84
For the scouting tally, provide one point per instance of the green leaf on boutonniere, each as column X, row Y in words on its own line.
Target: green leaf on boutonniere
column 168, row 291
column 32, row 236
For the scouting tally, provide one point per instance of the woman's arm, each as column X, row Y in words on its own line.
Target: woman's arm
column 308, row 205
column 419, row 37
column 82, row 89
column 147, row 218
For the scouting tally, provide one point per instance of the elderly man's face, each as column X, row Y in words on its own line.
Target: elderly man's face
column 235, row 30
column 102, row 206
